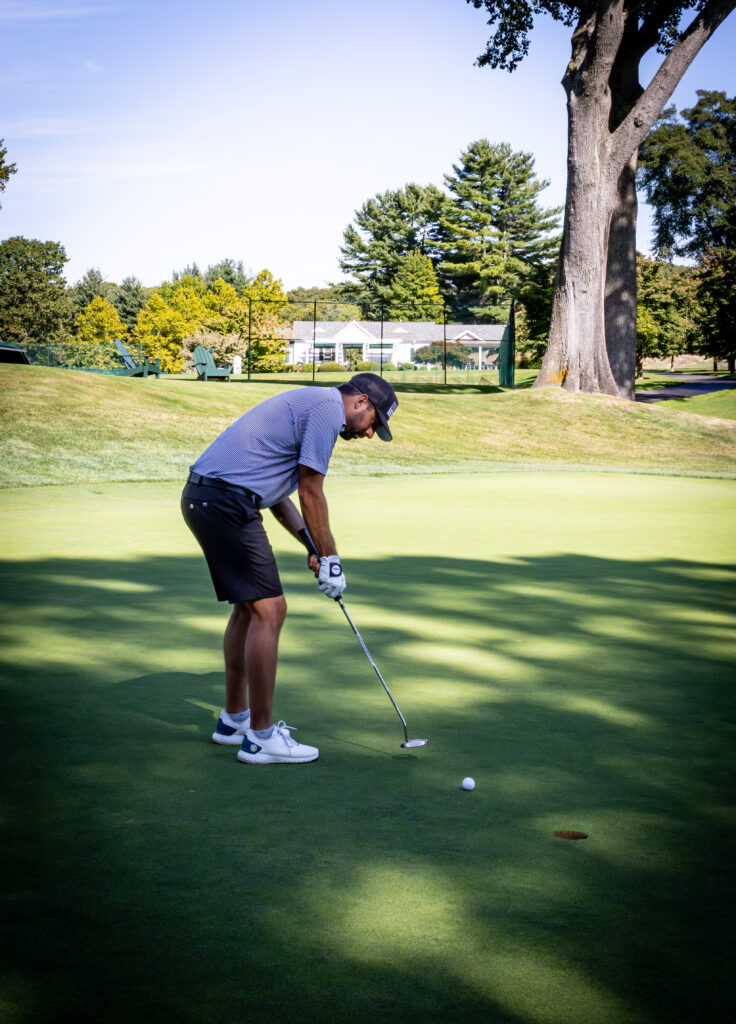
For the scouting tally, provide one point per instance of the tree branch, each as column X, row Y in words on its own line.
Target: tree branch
column 650, row 28
column 631, row 132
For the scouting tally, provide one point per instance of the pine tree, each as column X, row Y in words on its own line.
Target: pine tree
column 493, row 230
column 388, row 227
column 414, row 291
column 91, row 286
column 129, row 299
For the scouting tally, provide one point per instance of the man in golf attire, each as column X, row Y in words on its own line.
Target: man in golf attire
column 280, row 446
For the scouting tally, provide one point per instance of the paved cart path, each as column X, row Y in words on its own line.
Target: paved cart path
column 690, row 384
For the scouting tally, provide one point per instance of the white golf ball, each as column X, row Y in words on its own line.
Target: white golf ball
column 468, row 783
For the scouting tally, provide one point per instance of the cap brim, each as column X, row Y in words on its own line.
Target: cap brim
column 382, row 430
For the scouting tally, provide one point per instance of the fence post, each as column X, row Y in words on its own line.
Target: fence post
column 314, row 341
column 444, row 340
column 381, row 349
column 250, row 330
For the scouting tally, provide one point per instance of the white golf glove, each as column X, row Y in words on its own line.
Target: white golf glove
column 331, row 577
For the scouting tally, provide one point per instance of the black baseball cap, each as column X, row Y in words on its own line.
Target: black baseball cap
column 382, row 397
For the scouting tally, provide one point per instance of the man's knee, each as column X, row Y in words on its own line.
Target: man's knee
column 270, row 611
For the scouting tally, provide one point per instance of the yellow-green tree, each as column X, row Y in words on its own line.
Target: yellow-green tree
column 96, row 328
column 269, row 327
column 161, row 330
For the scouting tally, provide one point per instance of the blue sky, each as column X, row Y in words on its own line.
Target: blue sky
column 150, row 135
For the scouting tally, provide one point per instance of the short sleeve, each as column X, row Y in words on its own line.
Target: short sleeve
column 320, row 428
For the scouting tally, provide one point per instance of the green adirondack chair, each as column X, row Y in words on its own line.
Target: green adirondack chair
column 133, row 369
column 204, row 364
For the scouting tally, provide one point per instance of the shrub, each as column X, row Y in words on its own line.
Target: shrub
column 363, row 366
column 407, row 366
column 386, row 366
column 330, row 367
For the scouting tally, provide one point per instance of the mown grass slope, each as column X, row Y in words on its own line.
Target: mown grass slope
column 62, row 426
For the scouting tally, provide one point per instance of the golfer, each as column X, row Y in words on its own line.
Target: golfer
column 282, row 445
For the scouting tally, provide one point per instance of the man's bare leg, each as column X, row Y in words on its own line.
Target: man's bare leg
column 251, row 655
column 261, row 657
column 236, row 682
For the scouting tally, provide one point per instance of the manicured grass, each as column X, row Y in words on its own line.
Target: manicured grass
column 564, row 638
column 65, row 426
column 721, row 404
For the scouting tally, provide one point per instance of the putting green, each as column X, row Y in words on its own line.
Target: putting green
column 565, row 639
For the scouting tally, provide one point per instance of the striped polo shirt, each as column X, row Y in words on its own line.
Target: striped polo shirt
column 265, row 447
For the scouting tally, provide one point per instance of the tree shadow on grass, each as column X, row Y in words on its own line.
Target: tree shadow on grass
column 150, row 876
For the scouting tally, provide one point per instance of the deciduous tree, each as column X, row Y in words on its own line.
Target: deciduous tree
column 593, row 329
column 161, row 330
column 34, row 306
column 6, row 169
column 95, row 330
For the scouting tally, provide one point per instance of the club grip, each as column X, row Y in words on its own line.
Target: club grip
column 306, row 539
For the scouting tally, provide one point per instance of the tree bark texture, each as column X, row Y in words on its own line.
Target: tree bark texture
column 592, row 339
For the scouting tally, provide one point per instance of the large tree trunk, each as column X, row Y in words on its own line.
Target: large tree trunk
column 621, row 268
column 576, row 357
column 603, row 140
column 620, row 309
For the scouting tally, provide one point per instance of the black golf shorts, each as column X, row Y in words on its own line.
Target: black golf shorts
column 229, row 529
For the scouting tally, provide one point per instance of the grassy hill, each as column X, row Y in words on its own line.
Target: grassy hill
column 62, row 426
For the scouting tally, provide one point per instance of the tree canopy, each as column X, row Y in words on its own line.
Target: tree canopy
column 493, row 230
column 6, row 169
column 687, row 168
column 592, row 338
column 34, row 305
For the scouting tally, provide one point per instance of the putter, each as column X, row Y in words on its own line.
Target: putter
column 407, row 742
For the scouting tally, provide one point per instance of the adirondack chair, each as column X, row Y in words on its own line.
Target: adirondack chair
column 204, row 364
column 133, row 369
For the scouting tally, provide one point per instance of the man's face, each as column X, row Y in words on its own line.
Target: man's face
column 360, row 420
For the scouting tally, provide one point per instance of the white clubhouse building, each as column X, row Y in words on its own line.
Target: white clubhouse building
column 393, row 341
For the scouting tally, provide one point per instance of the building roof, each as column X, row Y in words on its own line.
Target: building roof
column 423, row 332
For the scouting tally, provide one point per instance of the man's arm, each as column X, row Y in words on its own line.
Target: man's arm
column 314, row 509
column 288, row 515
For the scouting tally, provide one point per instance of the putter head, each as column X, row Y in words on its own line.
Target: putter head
column 415, row 743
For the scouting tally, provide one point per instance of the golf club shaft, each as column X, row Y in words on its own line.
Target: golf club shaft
column 375, row 667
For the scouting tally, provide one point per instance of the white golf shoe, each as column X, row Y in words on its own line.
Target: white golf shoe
column 228, row 731
column 279, row 748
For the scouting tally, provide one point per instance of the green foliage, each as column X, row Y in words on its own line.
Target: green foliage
column 354, row 357
column 514, row 20
column 230, row 272
column 34, row 305
column 333, row 303
column 92, row 286
column 407, row 366
column 363, row 366
column 129, row 299
column 716, row 315
column 666, row 301
column 329, row 367
column 6, row 169
column 414, row 292
column 387, row 228
column 688, row 171
column 494, row 232
column 457, row 355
